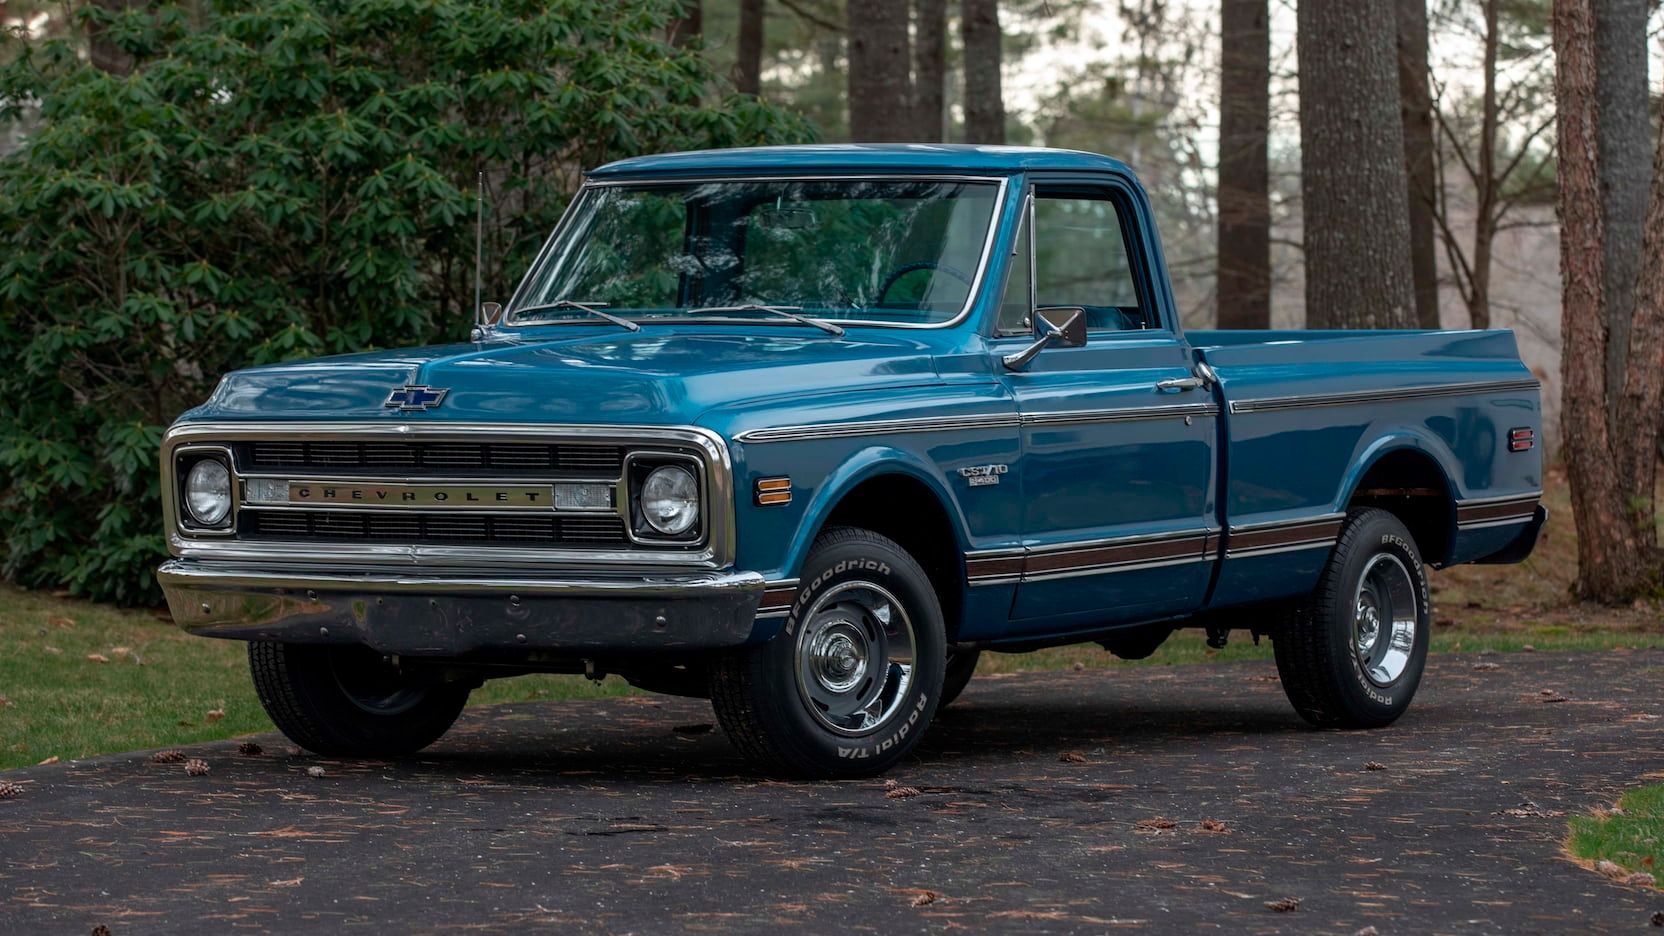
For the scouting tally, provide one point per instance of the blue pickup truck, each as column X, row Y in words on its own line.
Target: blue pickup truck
column 806, row 430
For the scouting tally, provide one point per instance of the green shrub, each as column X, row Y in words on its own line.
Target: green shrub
column 281, row 178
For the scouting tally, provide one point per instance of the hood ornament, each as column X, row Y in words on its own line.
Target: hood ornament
column 411, row 399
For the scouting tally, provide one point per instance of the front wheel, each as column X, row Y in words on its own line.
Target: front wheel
column 847, row 689
column 343, row 701
column 1353, row 654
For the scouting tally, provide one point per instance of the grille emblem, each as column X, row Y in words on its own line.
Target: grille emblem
column 409, row 399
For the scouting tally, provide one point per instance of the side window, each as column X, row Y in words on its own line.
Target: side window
column 1015, row 304
column 1081, row 259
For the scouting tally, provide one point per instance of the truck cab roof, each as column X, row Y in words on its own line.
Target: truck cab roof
column 862, row 158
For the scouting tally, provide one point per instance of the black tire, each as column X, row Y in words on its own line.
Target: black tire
column 305, row 690
column 766, row 696
column 1329, row 678
column 960, row 667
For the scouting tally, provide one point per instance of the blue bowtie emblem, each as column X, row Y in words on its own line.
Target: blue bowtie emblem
column 411, row 399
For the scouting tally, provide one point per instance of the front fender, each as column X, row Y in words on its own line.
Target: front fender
column 863, row 465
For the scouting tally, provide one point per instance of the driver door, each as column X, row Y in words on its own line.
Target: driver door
column 1117, row 436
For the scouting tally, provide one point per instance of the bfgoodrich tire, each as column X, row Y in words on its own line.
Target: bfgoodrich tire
column 847, row 689
column 1352, row 656
column 345, row 702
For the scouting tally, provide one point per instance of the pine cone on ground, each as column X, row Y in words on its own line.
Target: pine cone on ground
column 249, row 749
column 9, row 790
column 167, row 757
column 196, row 767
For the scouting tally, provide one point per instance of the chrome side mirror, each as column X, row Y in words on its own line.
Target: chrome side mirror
column 1062, row 326
column 489, row 313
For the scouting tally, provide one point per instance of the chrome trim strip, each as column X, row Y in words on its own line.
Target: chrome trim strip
column 1255, row 552
column 1119, row 414
column 1503, row 499
column 777, row 598
column 971, row 296
column 1270, row 404
column 717, row 552
column 1113, row 567
column 301, row 580
column 1505, row 521
column 1027, row 559
column 980, row 421
column 877, row 427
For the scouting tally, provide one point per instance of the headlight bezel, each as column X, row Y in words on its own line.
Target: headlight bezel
column 638, row 466
column 185, row 460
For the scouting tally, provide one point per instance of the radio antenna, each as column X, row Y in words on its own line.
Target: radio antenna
column 479, row 239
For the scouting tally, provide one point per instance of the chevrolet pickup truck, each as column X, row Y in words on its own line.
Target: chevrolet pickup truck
column 805, row 431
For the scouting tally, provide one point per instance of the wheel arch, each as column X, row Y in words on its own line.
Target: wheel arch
column 891, row 493
column 1408, row 476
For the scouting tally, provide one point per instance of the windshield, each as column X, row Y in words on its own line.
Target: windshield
column 891, row 251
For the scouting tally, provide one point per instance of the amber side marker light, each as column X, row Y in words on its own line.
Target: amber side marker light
column 1521, row 440
column 772, row 492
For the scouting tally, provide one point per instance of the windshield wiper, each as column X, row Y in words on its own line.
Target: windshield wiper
column 593, row 308
column 782, row 311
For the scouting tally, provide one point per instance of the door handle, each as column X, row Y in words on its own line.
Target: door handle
column 1180, row 383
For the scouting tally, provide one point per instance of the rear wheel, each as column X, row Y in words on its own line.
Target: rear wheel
column 1352, row 656
column 347, row 702
column 847, row 689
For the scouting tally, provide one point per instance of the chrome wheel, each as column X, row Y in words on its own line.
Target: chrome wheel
column 855, row 658
column 1384, row 619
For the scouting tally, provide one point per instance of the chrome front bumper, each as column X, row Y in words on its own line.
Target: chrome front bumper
column 438, row 613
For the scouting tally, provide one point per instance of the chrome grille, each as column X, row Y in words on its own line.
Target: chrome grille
column 342, row 525
column 436, row 458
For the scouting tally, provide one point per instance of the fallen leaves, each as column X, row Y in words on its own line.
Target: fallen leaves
column 1071, row 757
column 60, row 622
column 1529, row 810
column 215, row 715
column 196, row 767
column 97, row 658
column 1155, row 825
column 5, row 703
column 48, row 762
column 924, row 899
column 1213, row 826
column 1375, row 765
column 1623, row 875
column 1283, row 905
column 1550, row 695
column 315, row 773
column 167, row 757
column 1486, row 667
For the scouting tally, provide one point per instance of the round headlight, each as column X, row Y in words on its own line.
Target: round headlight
column 670, row 500
column 208, row 492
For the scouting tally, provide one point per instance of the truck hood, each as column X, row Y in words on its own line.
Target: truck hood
column 655, row 376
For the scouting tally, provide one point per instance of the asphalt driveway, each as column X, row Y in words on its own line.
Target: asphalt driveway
column 1153, row 799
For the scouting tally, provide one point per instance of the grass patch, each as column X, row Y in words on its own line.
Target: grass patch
column 1630, row 836
column 156, row 686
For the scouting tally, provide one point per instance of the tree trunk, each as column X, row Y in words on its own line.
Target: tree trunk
column 1244, row 183
column 1353, row 181
column 1416, row 109
column 687, row 26
column 1625, row 167
column 979, row 25
column 1484, row 225
column 104, row 54
column 1614, row 563
column 748, row 53
column 880, row 72
column 930, row 62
